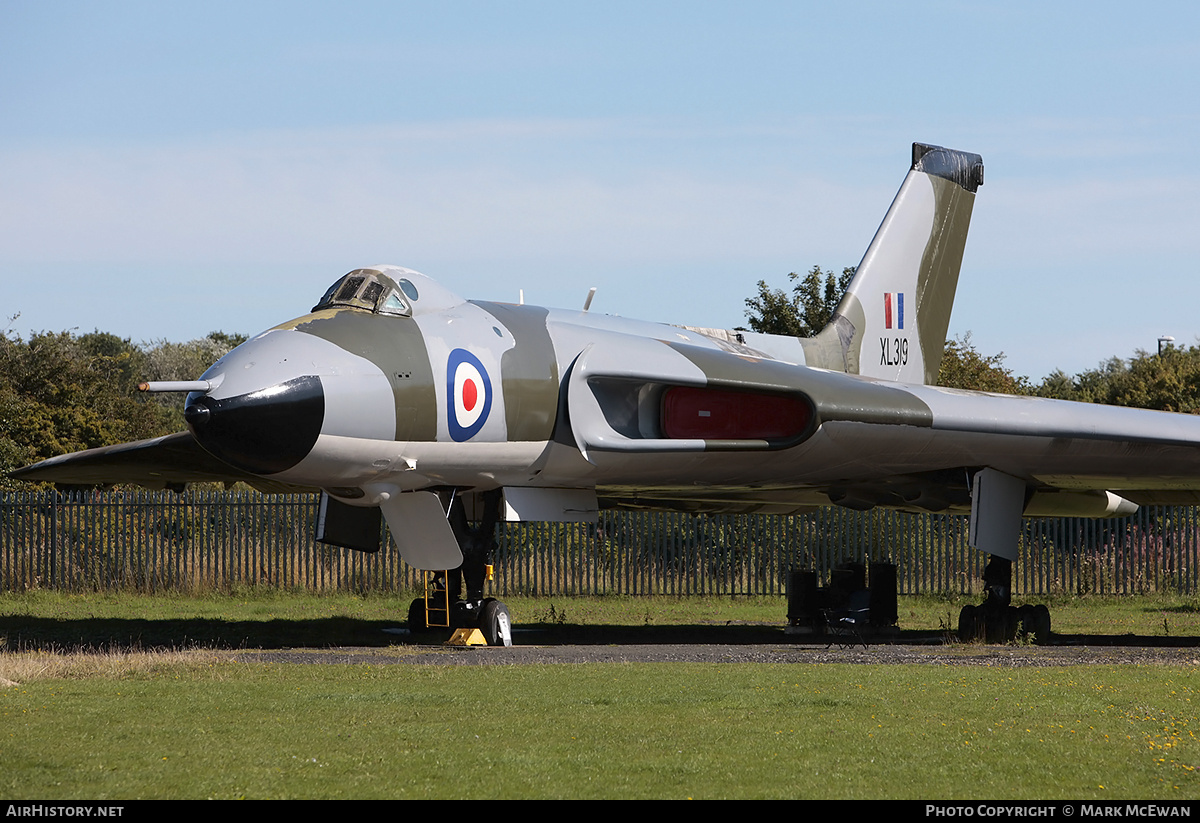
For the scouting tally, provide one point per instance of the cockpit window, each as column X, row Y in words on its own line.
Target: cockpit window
column 327, row 298
column 408, row 288
column 349, row 289
column 394, row 305
column 370, row 290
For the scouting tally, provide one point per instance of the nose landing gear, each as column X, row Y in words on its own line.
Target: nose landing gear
column 443, row 606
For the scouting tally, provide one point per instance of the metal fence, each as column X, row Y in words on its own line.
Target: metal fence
column 213, row 541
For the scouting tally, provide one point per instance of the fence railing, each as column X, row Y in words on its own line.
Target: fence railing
column 204, row 541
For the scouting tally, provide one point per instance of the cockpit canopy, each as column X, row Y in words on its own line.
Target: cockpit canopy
column 372, row 290
column 388, row 290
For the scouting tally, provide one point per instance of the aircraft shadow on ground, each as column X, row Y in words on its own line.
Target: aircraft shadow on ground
column 106, row 634
column 18, row 633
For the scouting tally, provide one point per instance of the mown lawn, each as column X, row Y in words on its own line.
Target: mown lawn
column 206, row 727
column 126, row 720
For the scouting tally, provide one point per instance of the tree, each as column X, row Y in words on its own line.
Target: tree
column 811, row 305
column 965, row 368
column 61, row 393
column 806, row 311
column 1169, row 381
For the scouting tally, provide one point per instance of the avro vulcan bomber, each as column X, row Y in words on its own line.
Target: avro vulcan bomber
column 395, row 397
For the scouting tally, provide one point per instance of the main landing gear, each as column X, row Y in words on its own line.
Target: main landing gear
column 996, row 620
column 997, row 502
column 443, row 606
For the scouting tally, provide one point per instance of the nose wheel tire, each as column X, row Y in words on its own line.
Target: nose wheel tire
column 416, row 616
column 495, row 623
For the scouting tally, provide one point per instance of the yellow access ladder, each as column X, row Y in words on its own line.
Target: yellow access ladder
column 437, row 601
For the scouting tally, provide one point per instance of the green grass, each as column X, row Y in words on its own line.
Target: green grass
column 217, row 729
column 117, row 724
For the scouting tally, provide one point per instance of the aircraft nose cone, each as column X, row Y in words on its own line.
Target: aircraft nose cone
column 264, row 431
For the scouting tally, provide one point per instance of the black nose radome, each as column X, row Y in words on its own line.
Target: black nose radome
column 263, row 432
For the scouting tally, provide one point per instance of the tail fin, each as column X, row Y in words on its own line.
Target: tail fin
column 892, row 321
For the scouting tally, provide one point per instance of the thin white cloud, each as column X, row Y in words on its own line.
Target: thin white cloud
column 291, row 198
column 680, row 216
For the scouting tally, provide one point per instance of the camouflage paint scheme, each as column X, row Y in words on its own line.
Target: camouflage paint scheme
column 393, row 385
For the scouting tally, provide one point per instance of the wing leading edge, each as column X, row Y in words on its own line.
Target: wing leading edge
column 172, row 461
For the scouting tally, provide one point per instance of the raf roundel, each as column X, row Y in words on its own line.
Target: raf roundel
column 468, row 393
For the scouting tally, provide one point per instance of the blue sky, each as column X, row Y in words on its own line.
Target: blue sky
column 169, row 169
